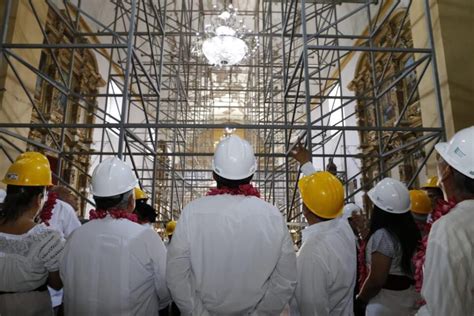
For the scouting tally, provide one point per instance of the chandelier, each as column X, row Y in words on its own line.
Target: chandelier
column 226, row 41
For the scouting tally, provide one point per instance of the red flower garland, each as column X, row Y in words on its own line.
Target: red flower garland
column 442, row 208
column 361, row 266
column 114, row 213
column 245, row 189
column 47, row 210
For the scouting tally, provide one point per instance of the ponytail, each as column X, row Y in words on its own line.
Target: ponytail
column 17, row 201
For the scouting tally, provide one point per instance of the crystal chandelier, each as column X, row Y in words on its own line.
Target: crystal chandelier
column 226, row 41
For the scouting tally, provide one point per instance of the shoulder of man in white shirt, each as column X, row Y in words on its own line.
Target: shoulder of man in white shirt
column 205, row 201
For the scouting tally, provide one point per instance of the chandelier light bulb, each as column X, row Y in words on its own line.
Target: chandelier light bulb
column 225, row 42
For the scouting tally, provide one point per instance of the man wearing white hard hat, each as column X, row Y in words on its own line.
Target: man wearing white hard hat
column 112, row 265
column 246, row 263
column 448, row 282
column 391, row 244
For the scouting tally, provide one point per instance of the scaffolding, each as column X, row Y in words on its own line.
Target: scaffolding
column 171, row 105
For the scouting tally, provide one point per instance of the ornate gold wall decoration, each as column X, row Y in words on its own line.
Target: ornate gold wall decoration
column 58, row 108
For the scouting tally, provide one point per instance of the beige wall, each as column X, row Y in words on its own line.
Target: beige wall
column 452, row 23
column 457, row 30
column 14, row 103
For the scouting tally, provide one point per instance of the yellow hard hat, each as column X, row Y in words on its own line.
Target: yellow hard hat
column 140, row 194
column 323, row 194
column 420, row 202
column 29, row 169
column 432, row 182
column 170, row 227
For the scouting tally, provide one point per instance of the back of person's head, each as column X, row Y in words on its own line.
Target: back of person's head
column 223, row 182
column 65, row 195
column 145, row 213
column 170, row 227
column 391, row 200
column 120, row 201
column 20, row 199
column 463, row 183
column 26, row 180
column 234, row 162
column 113, row 183
column 400, row 226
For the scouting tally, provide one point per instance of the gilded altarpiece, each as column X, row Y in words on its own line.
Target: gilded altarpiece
column 58, row 108
column 388, row 66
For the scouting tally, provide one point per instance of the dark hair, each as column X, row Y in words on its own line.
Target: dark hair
column 403, row 228
column 463, row 182
column 17, row 201
column 116, row 201
column 145, row 212
column 222, row 182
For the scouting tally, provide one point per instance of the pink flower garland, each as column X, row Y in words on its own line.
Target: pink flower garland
column 361, row 266
column 47, row 210
column 245, row 189
column 114, row 213
column 442, row 208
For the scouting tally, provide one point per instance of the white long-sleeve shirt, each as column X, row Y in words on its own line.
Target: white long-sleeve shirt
column 64, row 219
column 448, row 282
column 114, row 267
column 231, row 255
column 326, row 265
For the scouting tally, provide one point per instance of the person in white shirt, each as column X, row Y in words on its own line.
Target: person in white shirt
column 146, row 213
column 112, row 265
column 29, row 252
column 246, row 263
column 327, row 260
column 393, row 238
column 448, row 282
column 169, row 230
column 64, row 220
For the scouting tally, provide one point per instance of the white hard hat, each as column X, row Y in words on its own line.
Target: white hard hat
column 349, row 209
column 459, row 152
column 112, row 177
column 3, row 194
column 391, row 196
column 234, row 159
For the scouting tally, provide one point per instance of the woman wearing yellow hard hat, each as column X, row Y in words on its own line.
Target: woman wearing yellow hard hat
column 30, row 252
column 146, row 213
column 420, row 208
column 433, row 190
column 140, row 194
column 170, row 227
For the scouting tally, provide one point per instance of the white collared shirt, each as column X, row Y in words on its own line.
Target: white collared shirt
column 231, row 255
column 326, row 265
column 448, row 282
column 114, row 267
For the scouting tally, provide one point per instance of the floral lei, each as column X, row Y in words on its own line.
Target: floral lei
column 114, row 213
column 245, row 189
column 361, row 266
column 47, row 210
column 442, row 208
